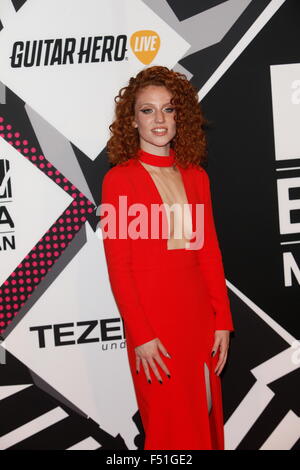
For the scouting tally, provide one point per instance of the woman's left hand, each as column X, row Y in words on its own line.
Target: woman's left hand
column 222, row 338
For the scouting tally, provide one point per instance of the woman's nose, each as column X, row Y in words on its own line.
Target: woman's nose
column 159, row 116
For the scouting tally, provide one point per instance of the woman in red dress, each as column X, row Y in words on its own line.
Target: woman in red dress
column 165, row 267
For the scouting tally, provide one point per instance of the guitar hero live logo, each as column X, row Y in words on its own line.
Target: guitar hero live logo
column 144, row 44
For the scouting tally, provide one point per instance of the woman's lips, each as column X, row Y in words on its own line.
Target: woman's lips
column 159, row 130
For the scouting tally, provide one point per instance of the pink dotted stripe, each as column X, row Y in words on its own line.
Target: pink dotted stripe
column 31, row 271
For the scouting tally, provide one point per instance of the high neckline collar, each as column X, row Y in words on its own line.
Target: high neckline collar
column 157, row 160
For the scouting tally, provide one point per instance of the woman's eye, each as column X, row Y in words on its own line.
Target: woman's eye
column 149, row 110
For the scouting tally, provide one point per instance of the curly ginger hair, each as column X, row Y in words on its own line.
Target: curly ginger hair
column 189, row 143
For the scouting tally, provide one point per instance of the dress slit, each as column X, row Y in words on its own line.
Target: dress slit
column 208, row 387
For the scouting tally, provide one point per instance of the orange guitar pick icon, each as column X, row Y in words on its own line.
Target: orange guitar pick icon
column 145, row 45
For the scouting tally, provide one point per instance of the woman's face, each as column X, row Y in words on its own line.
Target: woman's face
column 154, row 119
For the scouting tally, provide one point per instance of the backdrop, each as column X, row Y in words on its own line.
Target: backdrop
column 65, row 381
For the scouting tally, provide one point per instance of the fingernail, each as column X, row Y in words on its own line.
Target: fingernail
column 137, row 371
column 149, row 381
column 212, row 353
column 160, row 381
column 168, row 355
column 169, row 376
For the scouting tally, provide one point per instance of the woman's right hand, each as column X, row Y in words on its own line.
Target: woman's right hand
column 147, row 353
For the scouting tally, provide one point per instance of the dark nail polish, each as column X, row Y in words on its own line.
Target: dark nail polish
column 213, row 352
column 160, row 381
column 168, row 376
column 149, row 381
column 137, row 371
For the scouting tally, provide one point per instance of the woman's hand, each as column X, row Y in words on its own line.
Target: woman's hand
column 146, row 353
column 222, row 338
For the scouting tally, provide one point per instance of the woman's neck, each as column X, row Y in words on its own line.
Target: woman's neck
column 157, row 160
column 163, row 151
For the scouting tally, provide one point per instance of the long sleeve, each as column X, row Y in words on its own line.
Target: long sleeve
column 211, row 261
column 118, row 258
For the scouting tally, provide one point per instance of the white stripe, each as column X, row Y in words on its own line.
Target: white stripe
column 8, row 390
column 263, row 315
column 260, row 22
column 285, row 435
column 288, row 168
column 246, row 414
column 87, row 444
column 32, row 427
column 290, row 243
column 260, row 395
column 7, row 12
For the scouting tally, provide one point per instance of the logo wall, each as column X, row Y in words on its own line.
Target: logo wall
column 73, row 91
column 67, row 64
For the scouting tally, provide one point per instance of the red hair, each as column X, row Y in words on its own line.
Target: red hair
column 189, row 143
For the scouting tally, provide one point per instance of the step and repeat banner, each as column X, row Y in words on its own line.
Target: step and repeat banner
column 64, row 376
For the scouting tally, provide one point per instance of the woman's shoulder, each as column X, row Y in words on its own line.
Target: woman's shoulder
column 197, row 171
column 118, row 174
column 199, row 177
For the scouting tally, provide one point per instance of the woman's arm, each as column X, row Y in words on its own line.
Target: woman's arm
column 211, row 261
column 117, row 252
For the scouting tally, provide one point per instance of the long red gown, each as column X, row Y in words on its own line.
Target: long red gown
column 176, row 295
